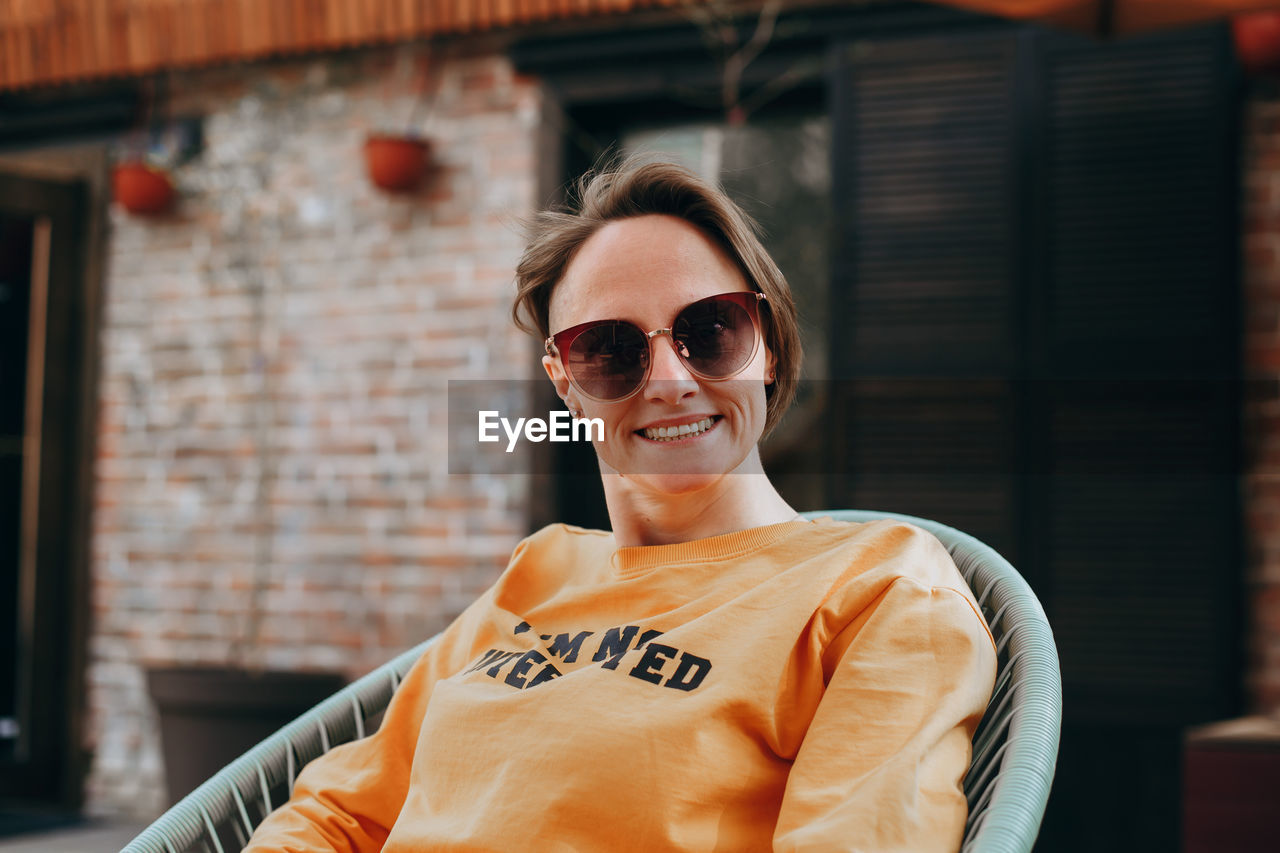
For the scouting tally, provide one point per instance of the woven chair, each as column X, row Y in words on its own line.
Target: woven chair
column 1015, row 747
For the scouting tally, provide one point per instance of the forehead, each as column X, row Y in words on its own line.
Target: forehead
column 642, row 269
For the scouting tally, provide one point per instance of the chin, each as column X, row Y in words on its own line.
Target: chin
column 681, row 475
column 677, row 484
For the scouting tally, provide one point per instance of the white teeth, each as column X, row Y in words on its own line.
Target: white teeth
column 675, row 432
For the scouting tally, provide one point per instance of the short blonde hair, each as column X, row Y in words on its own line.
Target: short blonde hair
column 638, row 188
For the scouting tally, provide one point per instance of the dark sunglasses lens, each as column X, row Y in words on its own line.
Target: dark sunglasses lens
column 608, row 361
column 718, row 336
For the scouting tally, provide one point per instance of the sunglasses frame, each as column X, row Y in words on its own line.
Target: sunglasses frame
column 557, row 345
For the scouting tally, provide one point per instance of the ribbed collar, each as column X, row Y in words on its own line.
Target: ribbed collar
column 637, row 559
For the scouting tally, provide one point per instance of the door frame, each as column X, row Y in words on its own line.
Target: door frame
column 53, row 574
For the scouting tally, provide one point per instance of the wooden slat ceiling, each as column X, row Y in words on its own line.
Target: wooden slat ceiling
column 58, row 41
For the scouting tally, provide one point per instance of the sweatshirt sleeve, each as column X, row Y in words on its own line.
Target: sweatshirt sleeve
column 882, row 764
column 349, row 798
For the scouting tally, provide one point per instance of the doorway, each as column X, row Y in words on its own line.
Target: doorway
column 45, row 394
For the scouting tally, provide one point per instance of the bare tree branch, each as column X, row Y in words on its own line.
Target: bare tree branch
column 700, row 15
column 763, row 34
column 716, row 26
column 793, row 76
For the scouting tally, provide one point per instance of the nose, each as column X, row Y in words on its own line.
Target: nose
column 669, row 378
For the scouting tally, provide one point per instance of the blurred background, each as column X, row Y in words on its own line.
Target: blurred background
column 245, row 245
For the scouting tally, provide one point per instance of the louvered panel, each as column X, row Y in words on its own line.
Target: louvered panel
column 924, row 281
column 880, row 267
column 1141, row 513
column 942, row 447
column 923, row 285
column 979, row 504
column 1138, row 189
column 1134, row 605
column 1141, row 426
column 895, row 426
column 924, row 152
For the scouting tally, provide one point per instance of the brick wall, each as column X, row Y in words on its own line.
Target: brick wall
column 275, row 353
column 1261, row 261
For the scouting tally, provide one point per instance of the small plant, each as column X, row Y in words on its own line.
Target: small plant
column 397, row 158
column 142, row 177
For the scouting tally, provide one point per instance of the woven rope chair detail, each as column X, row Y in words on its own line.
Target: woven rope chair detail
column 1015, row 747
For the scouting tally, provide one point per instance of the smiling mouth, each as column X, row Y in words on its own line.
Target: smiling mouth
column 676, row 433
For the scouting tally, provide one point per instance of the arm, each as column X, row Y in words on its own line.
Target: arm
column 348, row 798
column 882, row 764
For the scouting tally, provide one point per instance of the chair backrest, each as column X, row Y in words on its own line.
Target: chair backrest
column 221, row 814
column 1015, row 747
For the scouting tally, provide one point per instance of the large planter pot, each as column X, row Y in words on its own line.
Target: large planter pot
column 1230, row 775
column 210, row 715
column 141, row 189
column 396, row 163
column 1257, row 41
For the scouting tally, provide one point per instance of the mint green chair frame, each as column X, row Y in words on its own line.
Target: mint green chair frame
column 1015, row 748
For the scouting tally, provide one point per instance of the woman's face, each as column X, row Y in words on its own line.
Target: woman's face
column 645, row 270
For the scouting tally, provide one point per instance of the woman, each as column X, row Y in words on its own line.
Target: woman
column 716, row 673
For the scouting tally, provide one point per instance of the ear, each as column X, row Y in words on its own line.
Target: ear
column 771, row 367
column 555, row 372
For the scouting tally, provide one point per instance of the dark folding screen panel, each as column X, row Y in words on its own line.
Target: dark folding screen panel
column 923, row 344
column 1037, row 283
column 1139, row 357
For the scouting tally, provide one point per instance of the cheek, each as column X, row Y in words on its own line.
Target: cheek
column 760, row 404
column 755, row 403
column 753, row 381
column 614, row 431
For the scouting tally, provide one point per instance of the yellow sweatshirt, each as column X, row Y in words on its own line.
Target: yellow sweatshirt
column 799, row 686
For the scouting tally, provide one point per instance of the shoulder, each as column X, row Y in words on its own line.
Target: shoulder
column 888, row 549
column 558, row 548
column 887, row 563
column 560, row 535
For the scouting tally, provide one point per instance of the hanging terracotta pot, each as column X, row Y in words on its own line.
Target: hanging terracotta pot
column 396, row 163
column 141, row 189
column 1257, row 39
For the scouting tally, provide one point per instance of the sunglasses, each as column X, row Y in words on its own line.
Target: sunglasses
column 609, row 360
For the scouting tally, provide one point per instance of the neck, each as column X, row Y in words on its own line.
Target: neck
column 644, row 515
